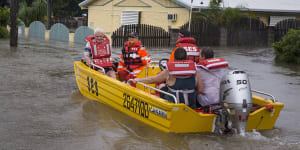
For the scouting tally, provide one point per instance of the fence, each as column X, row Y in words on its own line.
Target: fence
column 150, row 36
column 21, row 29
column 204, row 33
column 81, row 33
column 247, row 32
column 70, row 22
column 37, row 30
column 59, row 32
column 283, row 27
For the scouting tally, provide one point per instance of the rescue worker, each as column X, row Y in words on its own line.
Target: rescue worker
column 133, row 59
column 188, row 43
column 182, row 79
column 211, row 70
column 98, row 52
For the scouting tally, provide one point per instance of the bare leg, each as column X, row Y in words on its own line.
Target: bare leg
column 111, row 74
column 100, row 70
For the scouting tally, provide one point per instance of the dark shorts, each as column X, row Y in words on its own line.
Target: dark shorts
column 109, row 69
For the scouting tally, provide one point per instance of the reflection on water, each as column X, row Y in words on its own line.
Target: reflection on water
column 41, row 107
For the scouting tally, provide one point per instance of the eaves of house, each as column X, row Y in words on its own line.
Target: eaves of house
column 87, row 2
column 272, row 6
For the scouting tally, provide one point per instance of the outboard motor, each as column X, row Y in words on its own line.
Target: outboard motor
column 236, row 99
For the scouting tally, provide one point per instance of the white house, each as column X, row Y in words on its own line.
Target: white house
column 269, row 11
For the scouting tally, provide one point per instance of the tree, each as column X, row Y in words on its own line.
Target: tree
column 36, row 12
column 66, row 8
column 4, row 20
column 29, row 2
column 4, row 3
column 219, row 16
column 4, row 16
column 49, row 5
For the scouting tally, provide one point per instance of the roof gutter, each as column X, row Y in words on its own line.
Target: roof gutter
column 182, row 4
column 197, row 8
column 84, row 3
column 272, row 10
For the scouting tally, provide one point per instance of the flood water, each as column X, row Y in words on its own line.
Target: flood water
column 41, row 107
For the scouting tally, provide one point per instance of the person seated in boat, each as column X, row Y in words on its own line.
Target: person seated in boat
column 133, row 59
column 212, row 70
column 188, row 43
column 181, row 77
column 97, row 53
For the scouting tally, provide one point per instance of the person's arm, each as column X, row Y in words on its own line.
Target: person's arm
column 172, row 55
column 199, row 84
column 161, row 77
column 144, row 55
column 88, row 60
column 87, row 53
column 121, row 63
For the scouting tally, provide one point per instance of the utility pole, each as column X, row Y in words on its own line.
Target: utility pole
column 48, row 14
column 13, row 23
column 190, row 20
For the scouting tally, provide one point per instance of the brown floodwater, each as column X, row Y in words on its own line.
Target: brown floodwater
column 41, row 107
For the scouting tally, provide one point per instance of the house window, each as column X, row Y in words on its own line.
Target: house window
column 275, row 19
column 130, row 17
column 172, row 17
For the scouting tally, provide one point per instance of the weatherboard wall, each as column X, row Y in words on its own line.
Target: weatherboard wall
column 106, row 14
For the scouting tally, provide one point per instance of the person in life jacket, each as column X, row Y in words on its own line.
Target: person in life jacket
column 188, row 43
column 181, row 77
column 211, row 70
column 133, row 59
column 97, row 53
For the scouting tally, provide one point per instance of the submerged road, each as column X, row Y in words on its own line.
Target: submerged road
column 42, row 109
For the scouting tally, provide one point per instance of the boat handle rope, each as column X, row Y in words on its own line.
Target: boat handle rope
column 98, row 67
column 267, row 94
column 161, row 91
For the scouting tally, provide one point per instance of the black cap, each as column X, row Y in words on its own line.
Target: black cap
column 133, row 34
column 184, row 33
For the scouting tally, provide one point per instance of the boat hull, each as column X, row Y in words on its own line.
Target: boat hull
column 157, row 112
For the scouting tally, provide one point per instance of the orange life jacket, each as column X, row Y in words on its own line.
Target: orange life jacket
column 131, row 57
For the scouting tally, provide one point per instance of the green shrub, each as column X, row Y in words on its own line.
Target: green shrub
column 4, row 16
column 288, row 48
column 4, row 20
column 3, row 32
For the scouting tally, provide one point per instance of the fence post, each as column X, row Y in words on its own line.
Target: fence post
column 223, row 36
column 271, row 36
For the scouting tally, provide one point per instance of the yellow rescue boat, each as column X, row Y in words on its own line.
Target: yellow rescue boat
column 141, row 104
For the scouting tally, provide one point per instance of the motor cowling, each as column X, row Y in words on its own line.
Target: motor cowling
column 236, row 98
